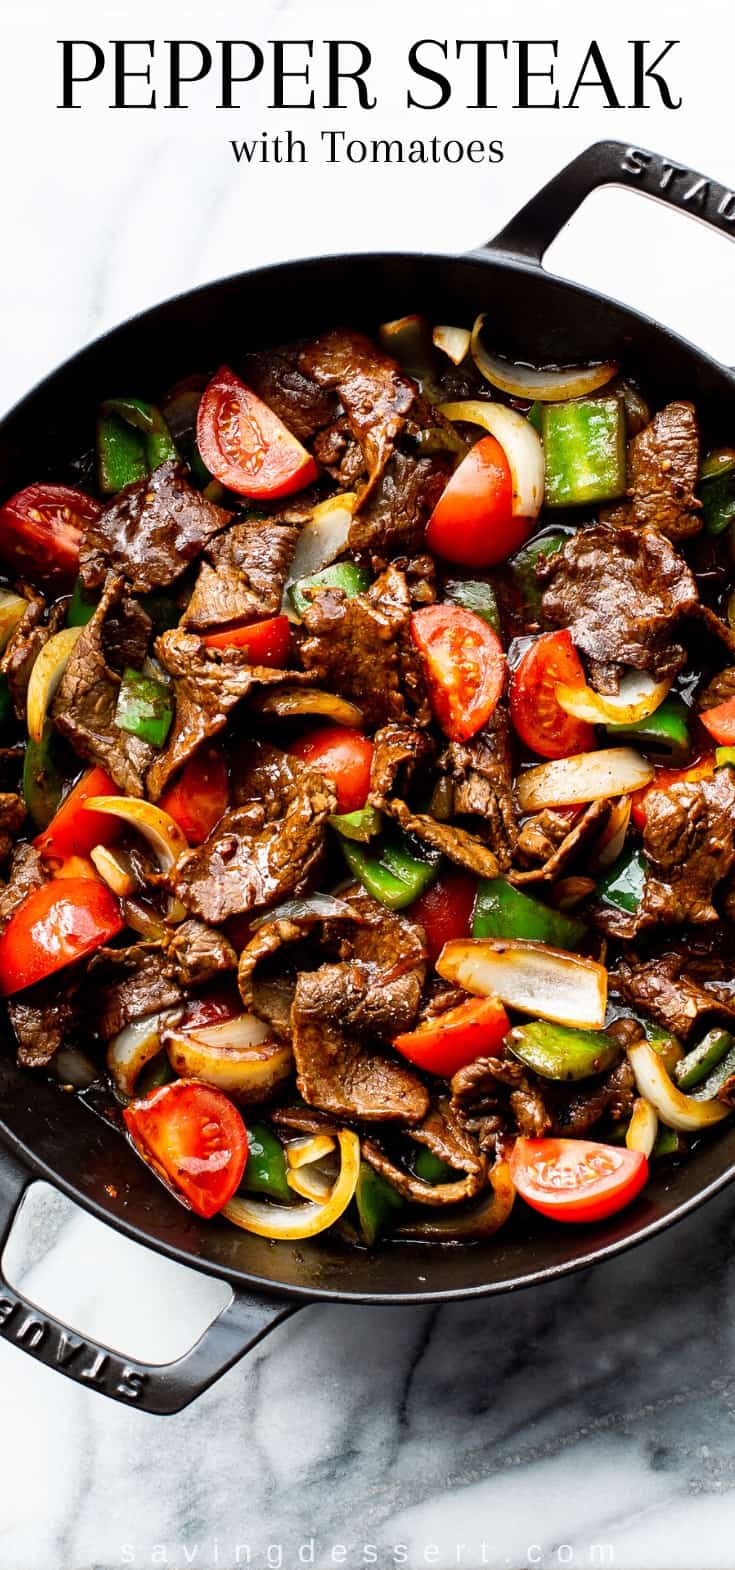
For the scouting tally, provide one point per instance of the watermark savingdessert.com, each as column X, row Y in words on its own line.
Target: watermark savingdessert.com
column 216, row 1554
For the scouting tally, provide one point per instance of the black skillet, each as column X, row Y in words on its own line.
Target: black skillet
column 47, row 1133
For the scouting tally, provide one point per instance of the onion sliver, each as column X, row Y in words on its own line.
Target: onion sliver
column 309, row 700
column 133, row 1047
column 245, row 1030
column 531, row 977
column 479, row 1220
column 316, row 907
column 674, row 1108
column 612, row 839
column 12, row 610
column 323, row 538
column 310, row 1183
column 586, row 776
column 291, row 1224
column 638, row 697
column 643, row 1127
column 302, row 1152
column 163, row 835
column 547, row 386
column 453, row 341
column 248, row 1074
column 48, row 669
column 520, row 443
column 112, row 871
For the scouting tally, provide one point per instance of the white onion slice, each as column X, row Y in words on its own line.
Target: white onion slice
column 247, row 1073
column 674, row 1108
column 309, row 700
column 12, row 610
column 523, row 381
column 586, row 776
column 133, row 1047
column 48, row 669
column 112, row 871
column 312, row 1147
column 638, row 696
column 643, row 1127
column 608, row 847
column 520, row 443
column 290, row 1224
column 310, row 1182
column 163, row 835
column 323, row 538
column 531, row 977
column 453, row 341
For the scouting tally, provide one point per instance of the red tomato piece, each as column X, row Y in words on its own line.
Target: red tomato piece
column 720, row 722
column 344, row 756
column 266, row 642
column 445, row 910
column 443, row 1045
column 195, row 1141
column 576, row 1179
column 473, row 521
column 464, row 666
column 698, row 769
column 539, row 721
column 73, row 831
column 40, row 530
column 245, row 445
column 199, row 795
column 54, row 925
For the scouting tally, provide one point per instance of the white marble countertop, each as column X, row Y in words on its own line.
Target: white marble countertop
column 586, row 1423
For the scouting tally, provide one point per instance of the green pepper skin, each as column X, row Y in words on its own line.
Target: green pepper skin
column 43, row 782
column 361, row 825
column 668, row 1143
column 81, row 610
column 717, row 1077
column 716, row 490
column 665, row 734
column 562, row 1052
column 625, row 881
column 431, row 1168
column 162, row 608
column 154, row 1074
column 144, row 708
column 501, row 911
column 584, row 451
column 522, row 567
column 390, row 872
column 379, row 1206
column 344, row 575
column 473, row 594
column 266, row 1169
column 133, row 439
column 535, row 417
column 724, row 756
column 703, row 1058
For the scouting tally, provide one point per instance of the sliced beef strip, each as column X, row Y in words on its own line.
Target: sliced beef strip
column 129, row 983
column 150, row 531
column 442, row 1134
column 23, row 648
column 456, row 843
column 663, row 470
column 126, row 635
column 398, row 750
column 336, row 1071
column 663, row 991
column 263, row 850
column 396, row 513
column 496, row 1094
column 612, row 1097
column 207, row 684
column 721, row 689
column 84, row 708
column 480, row 772
column 243, row 575
column 689, row 843
column 374, row 392
column 12, row 818
column 547, row 835
column 301, row 402
column 26, row 873
column 361, row 649
column 43, row 1017
column 336, row 450
column 623, row 593
column 197, row 953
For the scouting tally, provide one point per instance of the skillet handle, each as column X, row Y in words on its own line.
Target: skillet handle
column 161, row 1388
column 528, row 236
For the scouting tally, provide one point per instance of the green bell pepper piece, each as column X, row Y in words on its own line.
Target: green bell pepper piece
column 624, row 882
column 431, row 1168
column 361, row 825
column 344, row 575
column 698, row 1063
column 502, row 911
column 522, row 568
column 668, row 1143
column 265, row 1170
column 133, row 439
column 43, row 781
column 475, row 595
column 584, row 451
column 155, row 1074
column 561, row 1051
column 6, row 704
column 144, row 708
column 379, row 1206
column 391, row 872
column 81, row 610
column 716, row 490
column 665, row 733
column 717, row 1076
column 535, row 417
column 162, row 608
column 724, row 756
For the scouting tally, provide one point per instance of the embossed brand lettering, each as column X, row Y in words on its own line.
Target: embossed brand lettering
column 32, row 1332
column 97, row 1369
column 132, row 1384
column 7, row 1309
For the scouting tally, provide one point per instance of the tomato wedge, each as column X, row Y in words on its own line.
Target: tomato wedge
column 576, row 1179
column 40, row 530
column 720, row 722
column 443, row 1045
column 54, row 925
column 195, row 1141
column 699, row 769
column 539, row 721
column 73, row 831
column 473, row 521
column 199, row 795
column 444, row 910
column 464, row 666
column 344, row 756
column 245, row 445
column 266, row 642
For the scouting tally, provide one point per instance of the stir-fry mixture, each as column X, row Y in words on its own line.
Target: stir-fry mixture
column 368, row 805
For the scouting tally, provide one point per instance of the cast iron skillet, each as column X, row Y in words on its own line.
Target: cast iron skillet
column 47, row 1133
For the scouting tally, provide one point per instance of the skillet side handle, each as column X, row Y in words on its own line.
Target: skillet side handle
column 161, row 1388
column 528, row 236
